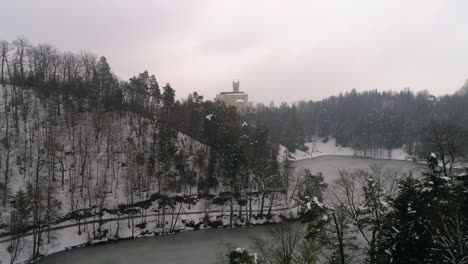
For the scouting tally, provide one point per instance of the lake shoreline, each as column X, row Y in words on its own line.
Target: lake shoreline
column 327, row 164
column 113, row 241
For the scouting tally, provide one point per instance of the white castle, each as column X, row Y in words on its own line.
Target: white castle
column 236, row 98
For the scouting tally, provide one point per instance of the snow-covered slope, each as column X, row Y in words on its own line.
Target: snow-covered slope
column 96, row 177
column 463, row 90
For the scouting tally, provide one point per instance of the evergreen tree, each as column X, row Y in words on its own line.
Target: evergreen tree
column 155, row 93
column 104, row 83
column 168, row 99
column 241, row 256
column 404, row 239
column 421, row 210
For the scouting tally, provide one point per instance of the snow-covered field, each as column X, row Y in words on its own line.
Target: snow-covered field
column 330, row 165
column 320, row 148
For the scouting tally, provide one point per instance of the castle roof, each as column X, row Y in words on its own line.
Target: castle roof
column 232, row 93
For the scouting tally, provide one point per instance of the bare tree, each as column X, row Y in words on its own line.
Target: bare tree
column 5, row 48
column 452, row 241
column 7, row 149
column 19, row 221
column 46, row 55
column 286, row 246
column 364, row 196
column 21, row 44
column 287, row 170
column 330, row 228
column 89, row 61
column 443, row 138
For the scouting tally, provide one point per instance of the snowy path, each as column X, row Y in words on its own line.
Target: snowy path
column 103, row 221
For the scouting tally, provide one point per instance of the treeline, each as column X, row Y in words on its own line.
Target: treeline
column 370, row 122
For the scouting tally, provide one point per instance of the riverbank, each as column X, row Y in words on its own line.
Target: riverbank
column 194, row 247
column 92, row 231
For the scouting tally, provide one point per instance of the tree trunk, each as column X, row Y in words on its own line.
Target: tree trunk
column 271, row 202
column 340, row 239
column 262, row 203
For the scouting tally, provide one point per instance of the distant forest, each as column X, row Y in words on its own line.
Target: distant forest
column 370, row 120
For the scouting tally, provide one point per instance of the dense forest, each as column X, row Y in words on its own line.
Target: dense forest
column 76, row 86
column 370, row 121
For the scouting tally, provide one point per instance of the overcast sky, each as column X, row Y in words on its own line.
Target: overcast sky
column 280, row 50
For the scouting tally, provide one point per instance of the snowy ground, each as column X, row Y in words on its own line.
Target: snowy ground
column 320, row 148
column 94, row 164
column 330, row 165
column 116, row 180
column 69, row 237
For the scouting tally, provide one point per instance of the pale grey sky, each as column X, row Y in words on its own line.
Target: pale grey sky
column 280, row 50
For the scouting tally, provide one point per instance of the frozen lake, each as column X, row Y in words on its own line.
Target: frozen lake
column 330, row 165
column 194, row 247
column 203, row 247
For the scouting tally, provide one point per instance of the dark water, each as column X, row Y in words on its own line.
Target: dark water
column 191, row 247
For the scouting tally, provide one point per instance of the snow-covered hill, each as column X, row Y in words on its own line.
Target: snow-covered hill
column 97, row 176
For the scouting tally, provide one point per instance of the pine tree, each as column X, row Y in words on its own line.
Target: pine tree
column 401, row 235
column 421, row 210
column 155, row 93
column 373, row 210
column 314, row 185
column 241, row 256
column 168, row 99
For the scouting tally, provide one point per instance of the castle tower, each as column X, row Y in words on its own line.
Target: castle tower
column 235, row 86
column 236, row 98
